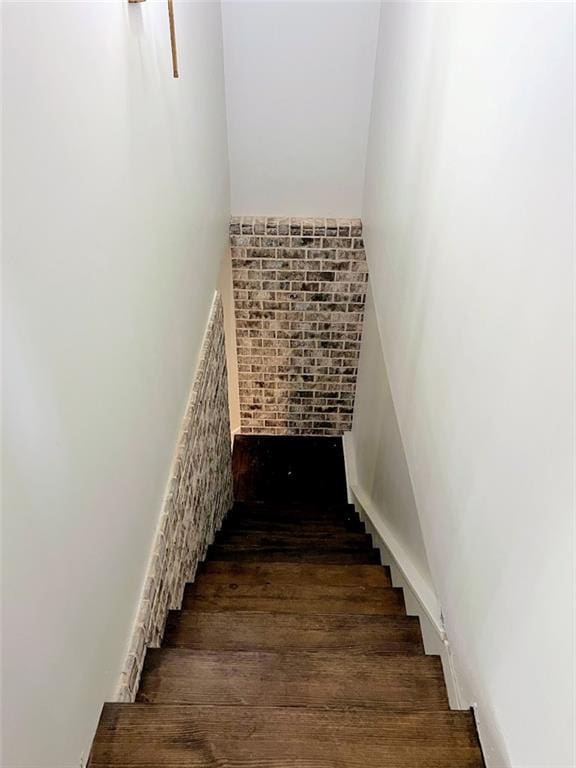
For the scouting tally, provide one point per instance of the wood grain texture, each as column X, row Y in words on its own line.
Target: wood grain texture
column 177, row 736
column 235, row 595
column 304, row 679
column 246, row 576
column 336, row 556
column 305, row 527
column 291, row 604
column 293, row 632
column 293, row 512
column 294, row 539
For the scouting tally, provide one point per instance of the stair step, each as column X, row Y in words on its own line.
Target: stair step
column 244, row 576
column 243, row 524
column 177, row 736
column 290, row 540
column 315, row 679
column 229, row 630
column 207, row 594
column 291, row 512
column 336, row 556
column 291, row 588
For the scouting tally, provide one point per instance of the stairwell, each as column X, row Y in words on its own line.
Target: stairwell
column 292, row 647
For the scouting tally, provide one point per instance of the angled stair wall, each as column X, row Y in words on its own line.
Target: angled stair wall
column 198, row 498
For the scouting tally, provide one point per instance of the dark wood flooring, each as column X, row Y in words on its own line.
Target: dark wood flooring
column 289, row 469
column 292, row 648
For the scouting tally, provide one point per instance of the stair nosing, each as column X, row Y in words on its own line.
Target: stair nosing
column 377, row 617
column 431, row 659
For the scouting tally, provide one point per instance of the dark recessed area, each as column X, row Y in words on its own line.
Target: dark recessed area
column 289, row 469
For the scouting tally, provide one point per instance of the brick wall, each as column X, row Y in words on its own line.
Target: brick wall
column 299, row 293
column 199, row 496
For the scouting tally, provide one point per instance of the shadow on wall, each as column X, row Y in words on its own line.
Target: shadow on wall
column 381, row 467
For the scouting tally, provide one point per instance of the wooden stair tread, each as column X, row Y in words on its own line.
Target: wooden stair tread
column 341, row 506
column 207, row 596
column 180, row 736
column 302, row 605
column 316, row 513
column 326, row 555
column 291, row 540
column 257, row 631
column 264, row 678
column 246, row 525
column 303, row 575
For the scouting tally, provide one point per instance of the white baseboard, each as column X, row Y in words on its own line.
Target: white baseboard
column 420, row 597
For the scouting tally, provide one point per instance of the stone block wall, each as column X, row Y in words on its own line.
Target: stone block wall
column 200, row 495
column 299, row 294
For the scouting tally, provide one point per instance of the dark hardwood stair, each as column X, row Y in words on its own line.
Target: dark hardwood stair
column 329, row 539
column 293, row 599
column 268, row 517
column 300, row 575
column 285, row 679
column 292, row 648
column 297, row 553
column 174, row 736
column 262, row 631
column 272, row 526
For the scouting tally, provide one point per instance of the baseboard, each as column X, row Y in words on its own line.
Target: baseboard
column 421, row 599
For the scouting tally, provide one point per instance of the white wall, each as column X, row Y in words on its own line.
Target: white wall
column 468, row 218
column 116, row 214
column 381, row 470
column 298, row 88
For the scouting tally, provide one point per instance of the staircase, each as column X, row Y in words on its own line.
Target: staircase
column 292, row 648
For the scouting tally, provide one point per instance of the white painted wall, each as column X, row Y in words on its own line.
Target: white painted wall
column 382, row 472
column 115, row 221
column 298, row 89
column 380, row 487
column 468, row 218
